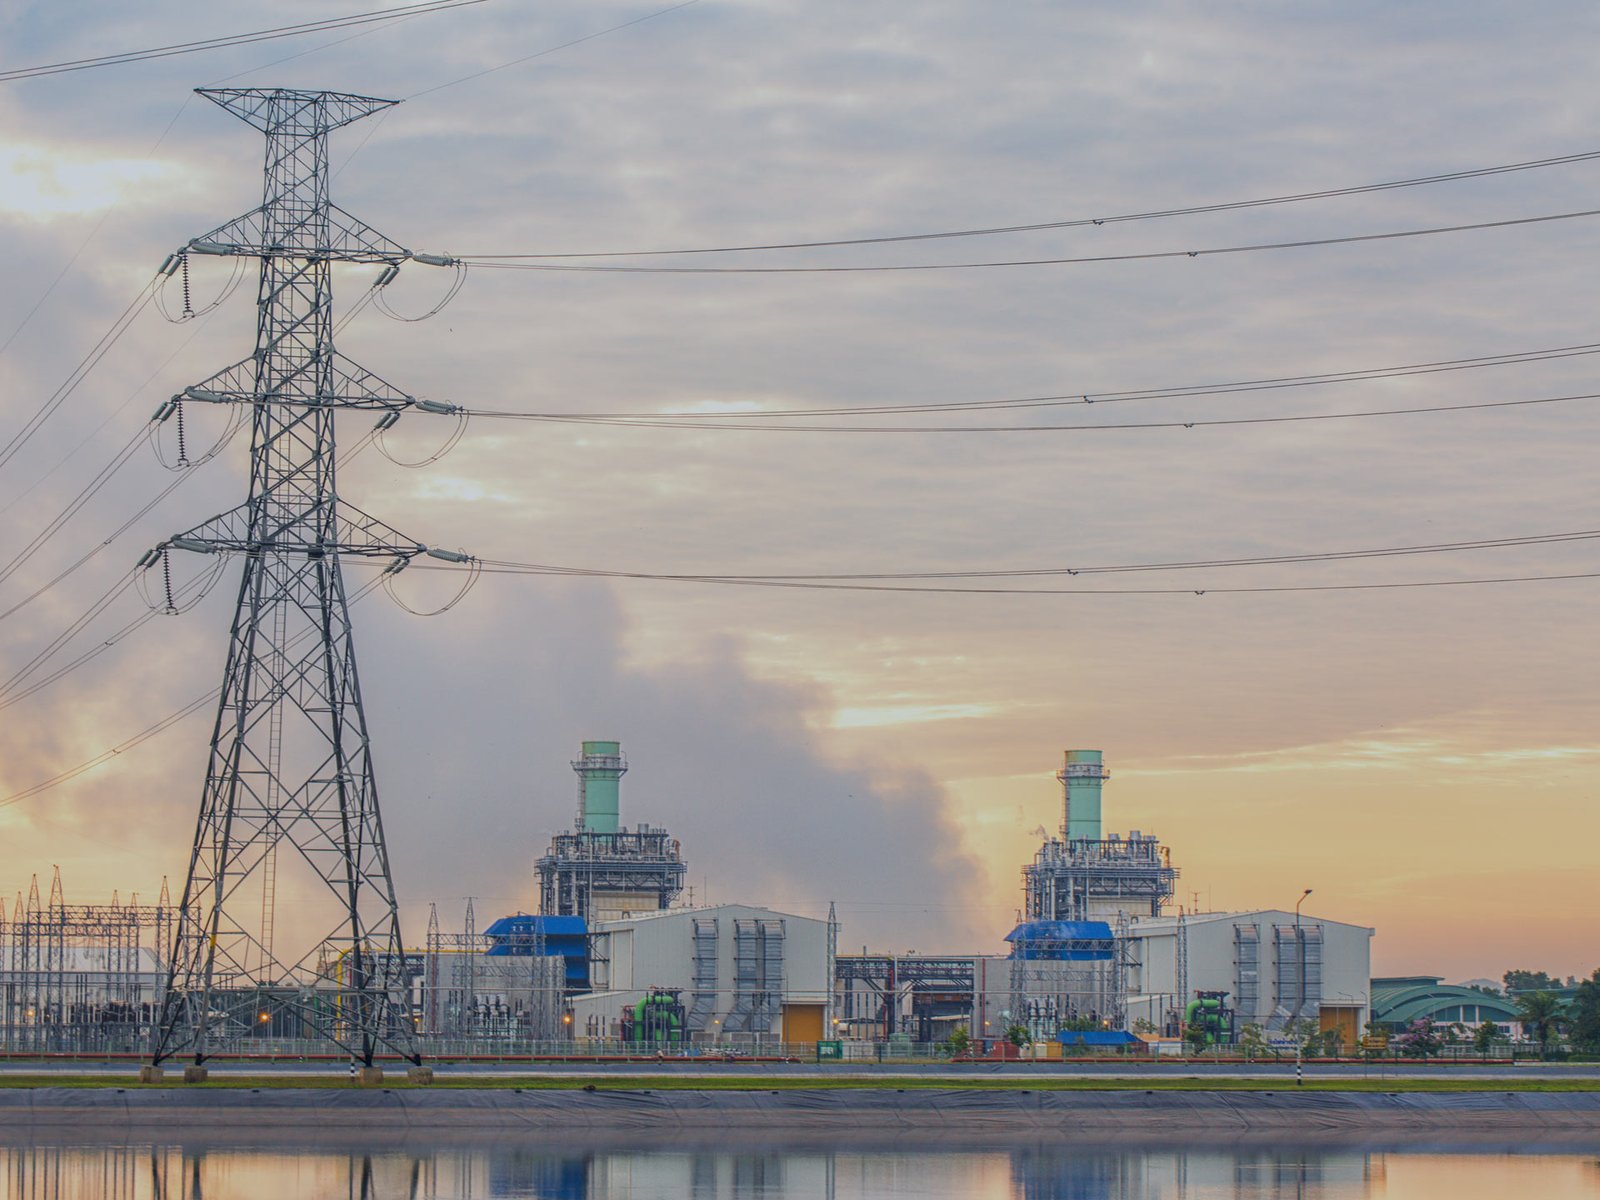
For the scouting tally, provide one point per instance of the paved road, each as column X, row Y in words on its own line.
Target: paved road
column 927, row 1072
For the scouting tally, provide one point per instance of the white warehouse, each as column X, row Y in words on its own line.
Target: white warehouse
column 742, row 973
column 1275, row 968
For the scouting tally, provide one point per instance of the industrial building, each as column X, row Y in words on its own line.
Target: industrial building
column 1269, row 967
column 1097, row 949
column 600, row 870
column 731, row 974
column 1085, row 875
column 1397, row 1001
column 1057, row 973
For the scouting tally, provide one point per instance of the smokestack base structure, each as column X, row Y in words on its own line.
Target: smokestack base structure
column 601, row 870
column 1085, row 875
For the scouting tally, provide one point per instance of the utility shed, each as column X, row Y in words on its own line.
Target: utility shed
column 742, row 973
column 1273, row 968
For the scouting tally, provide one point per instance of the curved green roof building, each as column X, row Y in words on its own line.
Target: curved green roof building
column 1397, row 1002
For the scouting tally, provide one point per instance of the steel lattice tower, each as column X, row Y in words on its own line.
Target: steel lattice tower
column 290, row 762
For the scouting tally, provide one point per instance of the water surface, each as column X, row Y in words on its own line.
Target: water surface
column 61, row 1167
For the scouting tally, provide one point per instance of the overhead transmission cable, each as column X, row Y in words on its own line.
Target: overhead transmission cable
column 1319, row 556
column 588, row 37
column 1196, row 423
column 491, row 567
column 81, row 371
column 1061, row 399
column 236, row 39
column 184, row 473
column 1082, row 222
column 493, row 264
column 144, row 735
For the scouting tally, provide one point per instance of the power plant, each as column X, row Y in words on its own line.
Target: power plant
column 600, row 870
column 1086, row 876
column 613, row 958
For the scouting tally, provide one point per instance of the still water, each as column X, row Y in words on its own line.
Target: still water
column 61, row 1170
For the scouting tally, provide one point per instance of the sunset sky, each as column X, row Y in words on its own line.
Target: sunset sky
column 1427, row 759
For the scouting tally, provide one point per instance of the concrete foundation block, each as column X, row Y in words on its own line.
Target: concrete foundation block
column 419, row 1075
column 369, row 1077
column 149, row 1074
column 195, row 1074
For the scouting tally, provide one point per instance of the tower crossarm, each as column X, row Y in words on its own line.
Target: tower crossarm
column 338, row 383
column 354, row 533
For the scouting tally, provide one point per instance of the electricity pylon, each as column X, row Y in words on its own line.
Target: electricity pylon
column 291, row 764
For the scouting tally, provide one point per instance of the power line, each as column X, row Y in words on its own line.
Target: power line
column 1081, row 222
column 1536, row 539
column 144, row 735
column 492, row 568
column 235, row 39
column 81, row 371
column 726, row 427
column 589, row 37
column 1145, row 256
column 1173, row 392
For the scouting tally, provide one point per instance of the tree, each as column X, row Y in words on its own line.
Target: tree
column 1018, row 1035
column 959, row 1041
column 1485, row 1037
column 1540, row 1012
column 1144, row 1027
column 1584, row 1015
column 1419, row 1040
column 1332, row 1043
column 1529, row 981
column 1252, row 1041
column 1197, row 1037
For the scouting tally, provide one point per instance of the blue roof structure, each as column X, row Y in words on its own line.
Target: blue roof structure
column 1068, row 941
column 526, row 925
column 1097, row 1037
column 564, row 937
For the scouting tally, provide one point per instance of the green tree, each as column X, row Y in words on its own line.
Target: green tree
column 1332, row 1043
column 1252, row 1041
column 1584, row 1016
column 1541, row 1013
column 1529, row 981
column 1144, row 1027
column 1197, row 1037
column 1018, row 1035
column 1485, row 1037
column 959, row 1041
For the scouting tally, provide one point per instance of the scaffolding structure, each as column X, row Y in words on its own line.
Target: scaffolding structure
column 80, row 977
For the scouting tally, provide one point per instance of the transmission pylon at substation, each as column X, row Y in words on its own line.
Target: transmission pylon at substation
column 290, row 763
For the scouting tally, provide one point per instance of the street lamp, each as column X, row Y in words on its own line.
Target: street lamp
column 1300, row 954
column 1300, row 977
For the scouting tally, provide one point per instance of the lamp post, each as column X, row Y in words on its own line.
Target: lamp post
column 1300, row 987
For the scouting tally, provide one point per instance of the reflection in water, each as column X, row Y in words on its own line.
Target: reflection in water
column 540, row 1172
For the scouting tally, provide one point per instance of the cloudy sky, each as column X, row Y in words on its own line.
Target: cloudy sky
column 1424, row 758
